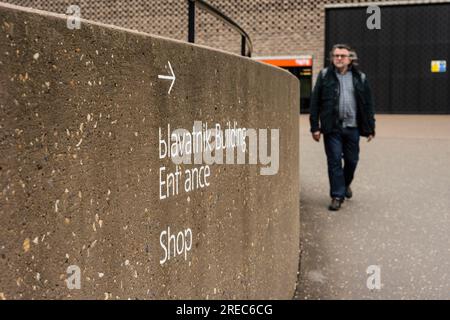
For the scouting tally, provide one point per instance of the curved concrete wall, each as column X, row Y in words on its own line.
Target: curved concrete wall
column 85, row 211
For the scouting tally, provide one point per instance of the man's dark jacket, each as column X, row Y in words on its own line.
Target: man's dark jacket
column 325, row 103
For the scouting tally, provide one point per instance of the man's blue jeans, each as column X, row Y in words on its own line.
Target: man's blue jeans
column 338, row 146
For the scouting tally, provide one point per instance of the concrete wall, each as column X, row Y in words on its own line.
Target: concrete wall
column 80, row 115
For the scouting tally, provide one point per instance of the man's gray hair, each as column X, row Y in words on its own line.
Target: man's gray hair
column 353, row 55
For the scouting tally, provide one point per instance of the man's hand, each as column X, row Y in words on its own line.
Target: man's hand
column 369, row 138
column 316, row 136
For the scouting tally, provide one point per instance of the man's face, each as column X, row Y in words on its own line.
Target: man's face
column 341, row 58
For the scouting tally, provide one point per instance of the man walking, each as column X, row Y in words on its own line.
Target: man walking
column 342, row 110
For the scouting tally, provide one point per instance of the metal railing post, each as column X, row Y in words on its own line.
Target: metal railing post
column 246, row 44
column 191, row 33
column 243, row 45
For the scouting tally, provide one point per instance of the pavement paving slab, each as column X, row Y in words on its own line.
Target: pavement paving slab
column 395, row 229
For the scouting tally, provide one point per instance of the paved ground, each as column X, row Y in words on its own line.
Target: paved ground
column 398, row 219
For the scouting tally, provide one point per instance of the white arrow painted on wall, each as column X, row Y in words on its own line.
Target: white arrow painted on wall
column 171, row 77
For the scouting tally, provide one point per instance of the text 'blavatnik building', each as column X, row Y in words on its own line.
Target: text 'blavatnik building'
column 297, row 35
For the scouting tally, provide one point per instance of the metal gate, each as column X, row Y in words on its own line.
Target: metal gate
column 405, row 59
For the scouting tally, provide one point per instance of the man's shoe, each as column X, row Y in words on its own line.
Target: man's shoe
column 348, row 192
column 335, row 204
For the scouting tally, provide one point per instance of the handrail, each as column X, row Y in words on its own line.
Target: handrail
column 245, row 39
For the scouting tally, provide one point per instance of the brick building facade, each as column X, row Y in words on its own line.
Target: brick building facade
column 276, row 27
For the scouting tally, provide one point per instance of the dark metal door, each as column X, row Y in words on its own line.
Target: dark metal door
column 397, row 58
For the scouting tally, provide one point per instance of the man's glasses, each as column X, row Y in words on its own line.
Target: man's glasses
column 340, row 56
